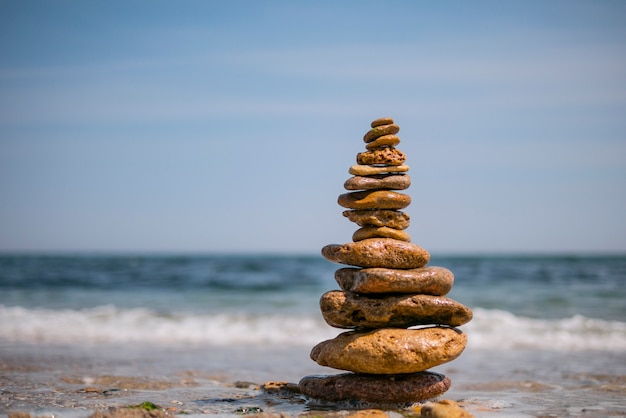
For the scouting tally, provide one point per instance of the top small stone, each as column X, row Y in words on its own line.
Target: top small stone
column 381, row 121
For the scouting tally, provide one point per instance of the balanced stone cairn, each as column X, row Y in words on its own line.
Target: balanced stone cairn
column 389, row 293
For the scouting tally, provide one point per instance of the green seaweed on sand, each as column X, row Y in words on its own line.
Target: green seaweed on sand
column 147, row 405
column 243, row 410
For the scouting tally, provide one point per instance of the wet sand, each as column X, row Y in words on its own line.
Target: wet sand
column 75, row 381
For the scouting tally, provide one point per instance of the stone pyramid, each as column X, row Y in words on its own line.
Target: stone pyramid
column 400, row 323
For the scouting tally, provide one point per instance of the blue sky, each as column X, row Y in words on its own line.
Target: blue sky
column 211, row 126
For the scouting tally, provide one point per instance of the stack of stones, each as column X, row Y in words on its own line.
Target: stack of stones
column 388, row 293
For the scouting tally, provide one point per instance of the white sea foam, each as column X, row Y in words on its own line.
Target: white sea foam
column 108, row 324
column 496, row 329
column 490, row 329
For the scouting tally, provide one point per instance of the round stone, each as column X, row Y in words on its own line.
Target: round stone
column 379, row 131
column 382, row 156
column 367, row 232
column 431, row 280
column 369, row 170
column 378, row 252
column 381, row 389
column 445, row 408
column 376, row 199
column 381, row 121
column 391, row 218
column 383, row 141
column 390, row 350
column 384, row 181
column 349, row 310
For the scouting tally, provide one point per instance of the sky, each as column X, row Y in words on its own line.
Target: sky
column 229, row 126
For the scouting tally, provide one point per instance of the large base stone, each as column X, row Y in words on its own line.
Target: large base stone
column 376, row 389
column 390, row 350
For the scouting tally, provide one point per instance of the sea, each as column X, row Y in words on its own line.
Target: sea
column 548, row 337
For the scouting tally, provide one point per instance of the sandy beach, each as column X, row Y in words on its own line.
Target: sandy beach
column 75, row 381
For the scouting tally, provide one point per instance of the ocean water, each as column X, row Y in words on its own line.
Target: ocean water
column 545, row 328
column 576, row 302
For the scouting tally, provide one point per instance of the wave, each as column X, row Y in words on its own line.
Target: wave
column 490, row 329
column 497, row 329
column 109, row 324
